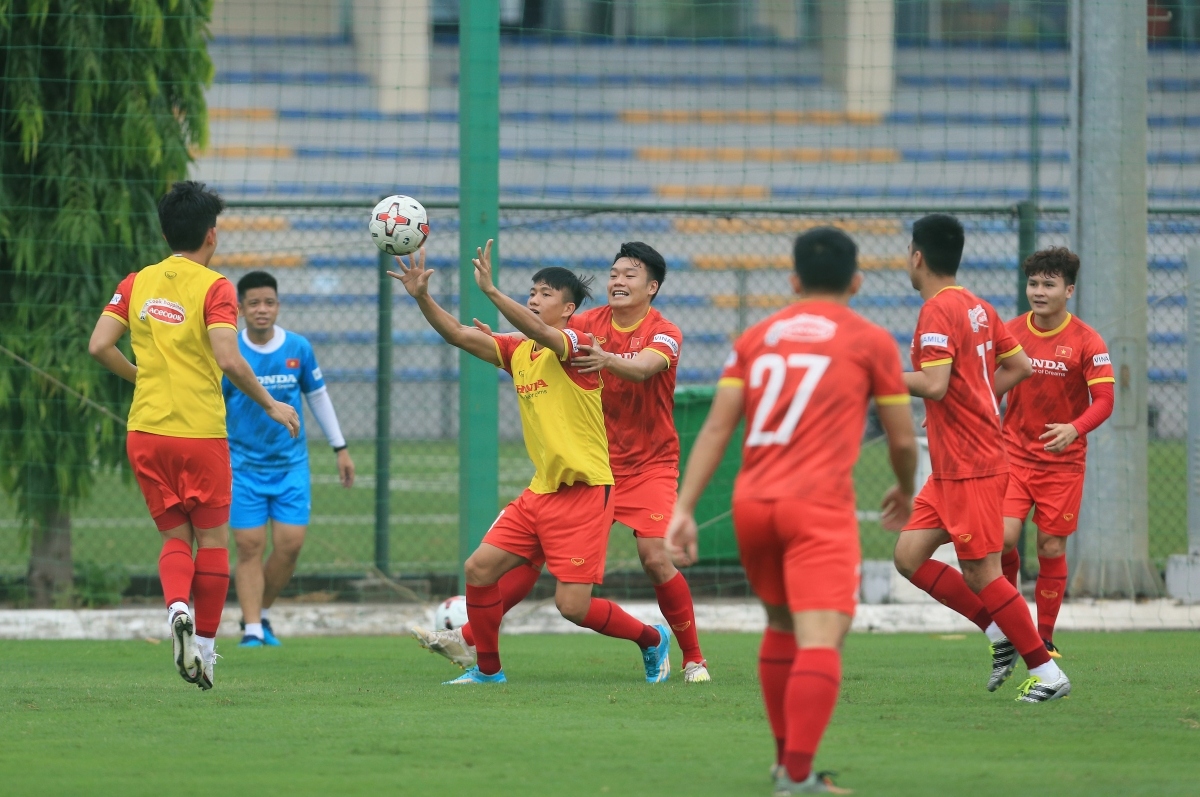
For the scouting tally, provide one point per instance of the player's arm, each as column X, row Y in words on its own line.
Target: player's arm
column 476, row 340
column 230, row 360
column 322, row 409
column 525, row 320
column 103, row 348
column 1012, row 368
column 1100, row 380
column 646, row 364
column 896, row 420
column 702, row 463
column 931, row 382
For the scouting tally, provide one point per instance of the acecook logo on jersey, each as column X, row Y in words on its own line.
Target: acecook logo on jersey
column 163, row 310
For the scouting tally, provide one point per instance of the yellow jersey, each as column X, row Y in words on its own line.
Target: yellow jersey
column 562, row 417
column 169, row 308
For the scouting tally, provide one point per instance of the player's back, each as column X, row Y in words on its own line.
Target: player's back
column 959, row 329
column 169, row 308
column 808, row 374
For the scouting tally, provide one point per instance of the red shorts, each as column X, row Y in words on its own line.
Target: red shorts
column 568, row 530
column 644, row 502
column 1055, row 494
column 971, row 510
column 798, row 554
column 182, row 479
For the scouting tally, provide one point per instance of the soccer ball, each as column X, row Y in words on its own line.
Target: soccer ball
column 451, row 613
column 399, row 225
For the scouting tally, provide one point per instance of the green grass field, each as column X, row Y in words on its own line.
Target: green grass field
column 367, row 716
column 112, row 525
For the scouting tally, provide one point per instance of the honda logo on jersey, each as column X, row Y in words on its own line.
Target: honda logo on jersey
column 1048, row 365
column 978, row 317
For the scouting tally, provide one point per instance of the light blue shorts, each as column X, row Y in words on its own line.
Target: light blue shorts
column 282, row 496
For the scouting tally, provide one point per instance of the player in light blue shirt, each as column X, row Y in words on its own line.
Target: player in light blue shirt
column 270, row 468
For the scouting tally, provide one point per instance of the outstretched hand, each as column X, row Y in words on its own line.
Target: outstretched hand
column 683, row 539
column 414, row 275
column 483, row 268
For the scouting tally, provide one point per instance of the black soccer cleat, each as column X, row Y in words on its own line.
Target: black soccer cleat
column 1004, row 660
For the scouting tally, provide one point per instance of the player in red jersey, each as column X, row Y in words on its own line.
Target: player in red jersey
column 803, row 378
column 963, row 359
column 1072, row 379
column 634, row 343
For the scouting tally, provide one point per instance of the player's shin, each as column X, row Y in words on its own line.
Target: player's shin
column 1051, row 585
column 675, row 601
column 775, row 658
column 485, row 610
column 176, row 569
column 811, row 696
column 947, row 586
column 606, row 617
column 209, row 588
column 1010, row 563
column 515, row 586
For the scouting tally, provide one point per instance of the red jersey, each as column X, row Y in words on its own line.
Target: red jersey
column 959, row 329
column 639, row 416
column 808, row 374
column 1067, row 361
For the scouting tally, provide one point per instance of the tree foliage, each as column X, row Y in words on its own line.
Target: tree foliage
column 100, row 103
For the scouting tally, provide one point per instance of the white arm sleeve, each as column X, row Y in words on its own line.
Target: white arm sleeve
column 322, row 410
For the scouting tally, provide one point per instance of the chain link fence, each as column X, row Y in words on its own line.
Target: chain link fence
column 726, row 270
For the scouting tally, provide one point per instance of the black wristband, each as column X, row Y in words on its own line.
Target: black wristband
column 337, row 449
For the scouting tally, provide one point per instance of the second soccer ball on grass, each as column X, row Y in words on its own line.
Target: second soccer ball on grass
column 450, row 614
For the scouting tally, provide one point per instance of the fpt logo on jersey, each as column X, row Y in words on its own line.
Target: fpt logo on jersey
column 163, row 310
column 978, row 317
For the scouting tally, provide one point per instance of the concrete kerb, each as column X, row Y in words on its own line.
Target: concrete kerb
column 301, row 620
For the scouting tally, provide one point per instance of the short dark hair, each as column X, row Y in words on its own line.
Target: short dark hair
column 1057, row 261
column 826, row 259
column 577, row 288
column 186, row 213
column 939, row 237
column 649, row 257
column 256, row 279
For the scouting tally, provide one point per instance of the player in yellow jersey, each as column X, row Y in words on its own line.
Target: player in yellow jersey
column 564, row 515
column 182, row 321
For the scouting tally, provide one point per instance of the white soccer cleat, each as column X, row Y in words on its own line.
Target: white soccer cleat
column 696, row 672
column 205, row 681
column 450, row 644
column 187, row 655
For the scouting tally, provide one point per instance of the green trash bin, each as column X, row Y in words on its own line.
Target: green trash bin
column 718, row 546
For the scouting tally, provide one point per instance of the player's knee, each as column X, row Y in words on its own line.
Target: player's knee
column 249, row 546
column 289, row 547
column 572, row 607
column 657, row 565
column 1052, row 547
column 905, row 562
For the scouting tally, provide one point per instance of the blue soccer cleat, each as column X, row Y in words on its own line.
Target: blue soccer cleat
column 269, row 638
column 249, row 641
column 658, row 659
column 474, row 676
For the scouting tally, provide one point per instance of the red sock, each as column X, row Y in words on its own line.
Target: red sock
column 175, row 570
column 775, row 658
column 1011, row 564
column 209, row 587
column 811, row 696
column 515, row 586
column 606, row 617
column 946, row 585
column 485, row 610
column 675, row 601
column 1051, row 586
column 1009, row 611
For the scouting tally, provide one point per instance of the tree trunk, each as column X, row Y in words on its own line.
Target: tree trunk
column 51, row 574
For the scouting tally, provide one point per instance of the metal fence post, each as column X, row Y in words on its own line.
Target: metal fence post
column 479, row 197
column 1027, row 219
column 1183, row 570
column 383, row 414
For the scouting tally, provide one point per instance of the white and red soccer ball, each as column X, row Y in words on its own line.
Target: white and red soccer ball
column 450, row 614
column 399, row 225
